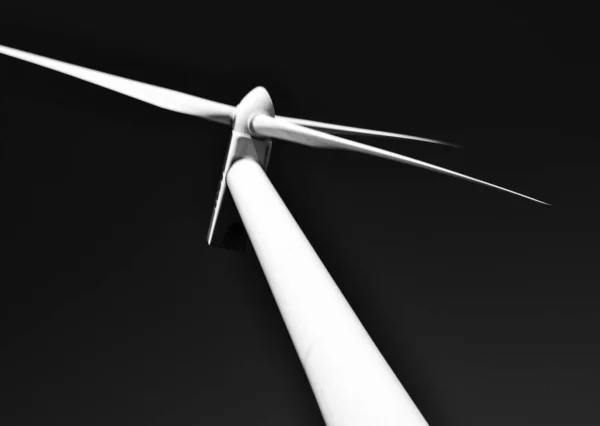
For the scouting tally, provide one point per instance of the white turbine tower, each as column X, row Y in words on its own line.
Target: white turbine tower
column 352, row 382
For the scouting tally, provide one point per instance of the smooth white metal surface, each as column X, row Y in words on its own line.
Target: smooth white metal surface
column 263, row 125
column 351, row 380
column 337, row 129
column 240, row 146
column 154, row 95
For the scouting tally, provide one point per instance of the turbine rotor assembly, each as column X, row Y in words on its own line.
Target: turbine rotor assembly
column 253, row 123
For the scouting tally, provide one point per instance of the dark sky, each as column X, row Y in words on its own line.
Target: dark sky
column 115, row 311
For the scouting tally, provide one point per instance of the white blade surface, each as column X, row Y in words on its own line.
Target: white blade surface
column 279, row 128
column 158, row 96
column 336, row 129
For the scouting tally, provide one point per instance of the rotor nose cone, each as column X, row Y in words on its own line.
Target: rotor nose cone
column 257, row 101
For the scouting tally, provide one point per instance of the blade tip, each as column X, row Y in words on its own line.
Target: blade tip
column 541, row 202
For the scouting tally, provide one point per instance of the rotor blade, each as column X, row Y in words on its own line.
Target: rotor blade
column 336, row 129
column 158, row 96
column 265, row 126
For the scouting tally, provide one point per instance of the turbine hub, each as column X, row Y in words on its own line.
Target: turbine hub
column 257, row 101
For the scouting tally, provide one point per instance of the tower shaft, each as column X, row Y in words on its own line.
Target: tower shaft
column 352, row 382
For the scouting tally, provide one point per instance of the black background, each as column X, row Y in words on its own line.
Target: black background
column 115, row 311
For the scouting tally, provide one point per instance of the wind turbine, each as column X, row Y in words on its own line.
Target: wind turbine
column 352, row 382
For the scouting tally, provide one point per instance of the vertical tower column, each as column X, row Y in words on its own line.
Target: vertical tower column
column 352, row 382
